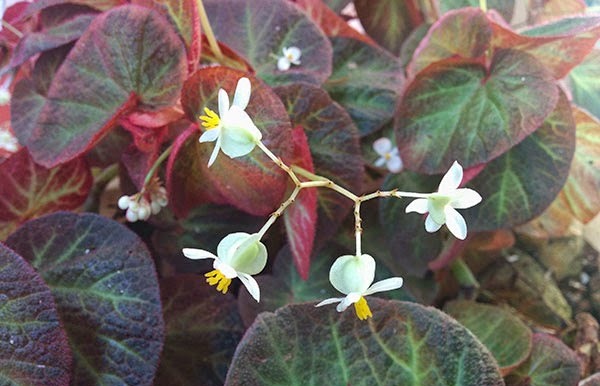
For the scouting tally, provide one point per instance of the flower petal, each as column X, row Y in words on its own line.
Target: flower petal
column 351, row 298
column 223, row 103
column 430, row 225
column 227, row 270
column 197, row 254
column 228, row 243
column 210, row 135
column 385, row 285
column 283, row 64
column 242, row 93
column 394, row 164
column 215, row 152
column 465, row 198
column 329, row 301
column 419, row 205
column 455, row 223
column 382, row 146
column 251, row 285
column 380, row 162
column 351, row 273
column 451, row 179
column 294, row 54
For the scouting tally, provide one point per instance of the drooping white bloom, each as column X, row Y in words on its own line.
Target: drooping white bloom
column 441, row 206
column 290, row 56
column 238, row 255
column 389, row 155
column 232, row 129
column 143, row 204
column 352, row 275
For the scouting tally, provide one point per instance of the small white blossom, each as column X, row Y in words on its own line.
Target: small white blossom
column 238, row 255
column 441, row 206
column 8, row 142
column 352, row 275
column 232, row 129
column 389, row 155
column 142, row 205
column 290, row 56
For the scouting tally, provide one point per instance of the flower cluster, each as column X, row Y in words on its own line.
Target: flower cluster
column 142, row 205
column 388, row 155
column 290, row 56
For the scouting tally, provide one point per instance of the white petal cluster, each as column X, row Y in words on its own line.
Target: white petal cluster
column 353, row 276
column 388, row 155
column 233, row 130
column 8, row 142
column 239, row 255
column 141, row 206
column 441, row 206
column 290, row 56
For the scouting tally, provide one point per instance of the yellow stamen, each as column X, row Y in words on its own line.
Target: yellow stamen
column 362, row 309
column 387, row 156
column 216, row 277
column 210, row 120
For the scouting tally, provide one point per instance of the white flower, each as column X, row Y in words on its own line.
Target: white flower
column 352, row 276
column 8, row 142
column 290, row 56
column 442, row 205
column 233, row 129
column 238, row 255
column 389, row 155
column 143, row 204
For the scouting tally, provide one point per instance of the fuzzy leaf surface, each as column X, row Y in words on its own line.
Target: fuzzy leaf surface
column 404, row 343
column 104, row 283
column 585, row 85
column 34, row 346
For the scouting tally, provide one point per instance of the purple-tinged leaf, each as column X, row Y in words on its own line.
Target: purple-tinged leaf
column 29, row 190
column 72, row 24
column 504, row 7
column 366, row 81
column 260, row 29
column 104, row 283
column 404, row 343
column 101, row 5
column 389, row 22
column 34, row 349
column 592, row 380
column 585, row 84
column 203, row 328
column 551, row 363
column 129, row 57
column 524, row 181
column 300, row 218
column 252, row 183
column 458, row 110
column 334, row 143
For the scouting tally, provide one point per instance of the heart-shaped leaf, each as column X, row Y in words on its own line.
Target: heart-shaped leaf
column 260, row 29
column 585, row 85
column 404, row 343
column 366, row 81
column 202, row 331
column 521, row 183
column 300, row 218
column 578, row 200
column 252, row 183
column 457, row 110
column 501, row 331
column 105, row 287
column 389, row 22
column 107, row 74
column 335, row 148
column 551, row 363
column 29, row 190
column 34, row 346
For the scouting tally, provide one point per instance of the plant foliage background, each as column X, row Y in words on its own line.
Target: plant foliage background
column 100, row 89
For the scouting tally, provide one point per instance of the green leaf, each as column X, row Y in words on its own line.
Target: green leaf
column 252, row 183
column 203, row 328
column 502, row 332
column 334, row 144
column 107, row 74
column 389, row 22
column 366, row 81
column 457, row 110
column 504, row 7
column 411, row 246
column 585, row 84
column 260, row 29
column 551, row 363
column 403, row 344
column 29, row 190
column 34, row 345
column 521, row 183
column 104, row 283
